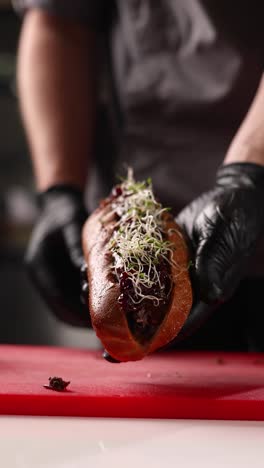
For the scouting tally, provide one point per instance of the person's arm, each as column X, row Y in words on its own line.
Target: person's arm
column 56, row 85
column 248, row 143
column 224, row 225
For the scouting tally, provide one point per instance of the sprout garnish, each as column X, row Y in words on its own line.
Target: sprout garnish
column 138, row 243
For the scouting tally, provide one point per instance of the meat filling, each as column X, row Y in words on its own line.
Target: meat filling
column 141, row 257
column 144, row 317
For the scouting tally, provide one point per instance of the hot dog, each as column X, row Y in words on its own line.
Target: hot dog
column 140, row 292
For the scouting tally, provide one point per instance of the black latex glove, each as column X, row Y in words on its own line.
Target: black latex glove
column 54, row 256
column 223, row 227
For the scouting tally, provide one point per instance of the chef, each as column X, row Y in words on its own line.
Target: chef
column 173, row 89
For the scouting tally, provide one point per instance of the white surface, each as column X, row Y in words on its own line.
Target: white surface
column 100, row 443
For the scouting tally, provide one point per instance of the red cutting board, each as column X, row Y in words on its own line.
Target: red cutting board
column 164, row 385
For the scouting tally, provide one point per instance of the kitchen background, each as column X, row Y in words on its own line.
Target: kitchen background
column 24, row 317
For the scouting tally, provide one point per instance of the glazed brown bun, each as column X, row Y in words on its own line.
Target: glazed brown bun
column 108, row 317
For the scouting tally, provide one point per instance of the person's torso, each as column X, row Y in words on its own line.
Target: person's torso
column 185, row 73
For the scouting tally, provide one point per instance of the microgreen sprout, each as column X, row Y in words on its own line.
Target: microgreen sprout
column 138, row 243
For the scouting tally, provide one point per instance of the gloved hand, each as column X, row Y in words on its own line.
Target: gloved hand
column 54, row 256
column 223, row 227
